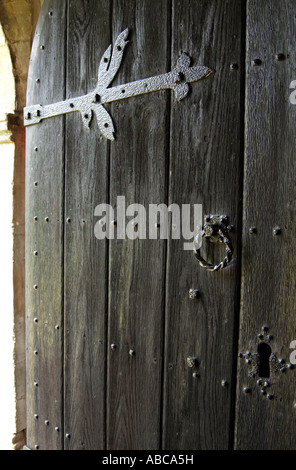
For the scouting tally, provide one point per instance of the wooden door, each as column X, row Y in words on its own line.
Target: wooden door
column 119, row 354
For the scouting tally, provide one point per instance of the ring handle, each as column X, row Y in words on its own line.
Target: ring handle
column 216, row 230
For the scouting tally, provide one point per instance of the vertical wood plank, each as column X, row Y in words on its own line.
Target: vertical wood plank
column 205, row 168
column 85, row 256
column 266, row 416
column 136, row 268
column 44, row 234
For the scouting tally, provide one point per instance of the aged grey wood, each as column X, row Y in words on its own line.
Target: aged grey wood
column 268, row 276
column 44, row 235
column 83, row 295
column 86, row 186
column 138, row 171
column 205, row 168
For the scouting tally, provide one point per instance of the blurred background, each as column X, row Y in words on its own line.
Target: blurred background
column 18, row 20
column 7, row 392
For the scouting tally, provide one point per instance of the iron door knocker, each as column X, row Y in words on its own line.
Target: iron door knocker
column 215, row 230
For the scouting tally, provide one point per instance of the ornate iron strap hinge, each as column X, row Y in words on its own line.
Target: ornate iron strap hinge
column 177, row 80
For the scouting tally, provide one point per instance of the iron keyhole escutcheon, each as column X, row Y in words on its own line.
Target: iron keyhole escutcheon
column 264, row 352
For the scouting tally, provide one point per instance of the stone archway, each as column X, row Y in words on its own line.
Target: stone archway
column 18, row 19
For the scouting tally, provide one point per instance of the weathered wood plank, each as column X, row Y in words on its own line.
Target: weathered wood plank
column 86, row 184
column 138, row 172
column 268, row 274
column 44, row 234
column 205, row 168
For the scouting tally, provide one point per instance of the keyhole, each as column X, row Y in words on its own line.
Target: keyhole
column 264, row 351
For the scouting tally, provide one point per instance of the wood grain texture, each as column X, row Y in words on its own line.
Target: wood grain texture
column 44, row 235
column 138, row 163
column 268, row 275
column 205, row 168
column 86, row 186
column 84, row 295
